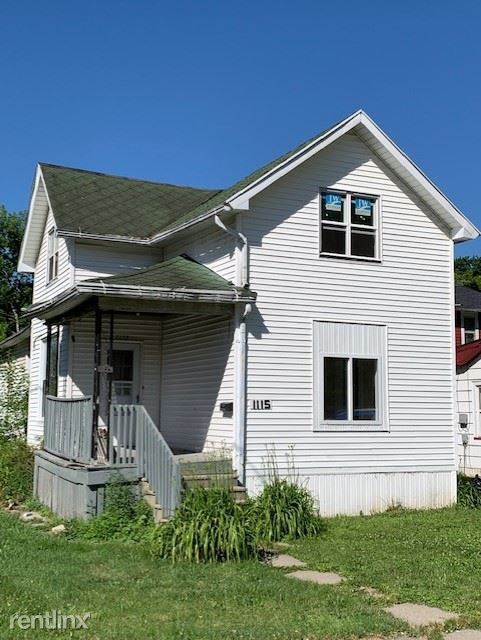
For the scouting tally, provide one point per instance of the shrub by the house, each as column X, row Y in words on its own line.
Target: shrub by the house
column 16, row 470
column 125, row 517
column 13, row 399
column 284, row 510
column 207, row 527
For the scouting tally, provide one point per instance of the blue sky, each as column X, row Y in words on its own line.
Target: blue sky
column 202, row 93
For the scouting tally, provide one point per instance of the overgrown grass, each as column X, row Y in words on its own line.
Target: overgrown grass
column 284, row 510
column 207, row 527
column 16, row 470
column 125, row 517
column 469, row 491
column 130, row 596
column 431, row 557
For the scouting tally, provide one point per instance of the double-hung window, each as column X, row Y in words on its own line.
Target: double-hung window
column 349, row 224
column 52, row 255
column 349, row 377
column 469, row 327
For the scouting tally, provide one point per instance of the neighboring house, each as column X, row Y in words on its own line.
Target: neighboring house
column 14, row 371
column 309, row 307
column 16, row 349
column 468, row 378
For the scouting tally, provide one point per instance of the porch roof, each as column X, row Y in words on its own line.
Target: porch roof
column 179, row 279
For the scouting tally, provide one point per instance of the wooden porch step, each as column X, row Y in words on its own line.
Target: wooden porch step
column 149, row 496
column 239, row 494
column 207, row 480
column 199, row 464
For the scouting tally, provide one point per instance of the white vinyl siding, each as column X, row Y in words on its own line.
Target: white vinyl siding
column 127, row 329
column 97, row 260
column 43, row 289
column 410, row 292
column 468, row 401
column 214, row 249
column 196, row 378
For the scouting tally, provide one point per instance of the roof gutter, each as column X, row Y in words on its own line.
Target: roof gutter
column 95, row 236
column 85, row 290
column 242, row 279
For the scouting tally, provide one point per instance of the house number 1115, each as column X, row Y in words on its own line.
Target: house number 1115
column 261, row 405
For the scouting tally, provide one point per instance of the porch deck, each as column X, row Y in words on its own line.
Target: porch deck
column 72, row 469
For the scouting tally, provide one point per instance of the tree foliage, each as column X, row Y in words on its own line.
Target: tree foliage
column 15, row 288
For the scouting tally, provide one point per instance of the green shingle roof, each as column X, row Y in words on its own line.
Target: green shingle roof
column 222, row 196
column 97, row 203
column 176, row 273
column 102, row 204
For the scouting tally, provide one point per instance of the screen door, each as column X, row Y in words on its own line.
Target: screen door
column 126, row 374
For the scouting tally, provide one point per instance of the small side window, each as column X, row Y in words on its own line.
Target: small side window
column 52, row 255
column 469, row 327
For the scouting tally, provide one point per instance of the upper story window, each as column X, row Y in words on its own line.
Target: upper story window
column 52, row 255
column 349, row 225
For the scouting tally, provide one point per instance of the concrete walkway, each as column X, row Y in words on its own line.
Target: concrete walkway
column 416, row 615
column 419, row 615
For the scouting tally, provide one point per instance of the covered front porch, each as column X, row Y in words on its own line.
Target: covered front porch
column 136, row 374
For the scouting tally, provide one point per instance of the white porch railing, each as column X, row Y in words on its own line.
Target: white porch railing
column 68, row 428
column 134, row 438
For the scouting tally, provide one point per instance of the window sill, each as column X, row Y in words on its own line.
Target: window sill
column 338, row 256
column 361, row 427
column 52, row 281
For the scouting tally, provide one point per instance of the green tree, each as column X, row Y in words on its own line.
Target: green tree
column 467, row 271
column 15, row 288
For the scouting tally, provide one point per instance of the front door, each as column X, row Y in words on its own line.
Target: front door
column 126, row 374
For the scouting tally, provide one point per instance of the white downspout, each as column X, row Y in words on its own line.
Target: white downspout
column 240, row 350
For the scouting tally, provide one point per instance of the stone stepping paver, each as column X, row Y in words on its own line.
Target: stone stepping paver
column 464, row 634
column 284, row 560
column 419, row 615
column 319, row 577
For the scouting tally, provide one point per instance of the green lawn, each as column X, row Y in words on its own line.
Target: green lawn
column 431, row 557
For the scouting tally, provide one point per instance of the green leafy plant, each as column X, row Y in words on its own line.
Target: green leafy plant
column 284, row 509
column 125, row 517
column 469, row 492
column 16, row 469
column 13, row 399
column 207, row 527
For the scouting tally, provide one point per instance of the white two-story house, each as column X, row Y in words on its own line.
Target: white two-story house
column 308, row 308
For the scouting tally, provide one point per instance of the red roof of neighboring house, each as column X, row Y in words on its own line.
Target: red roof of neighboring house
column 466, row 353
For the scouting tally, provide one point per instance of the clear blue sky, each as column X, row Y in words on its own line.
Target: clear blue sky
column 202, row 93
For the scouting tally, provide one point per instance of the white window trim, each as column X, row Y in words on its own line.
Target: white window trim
column 348, row 225
column 476, row 422
column 382, row 422
column 52, row 252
